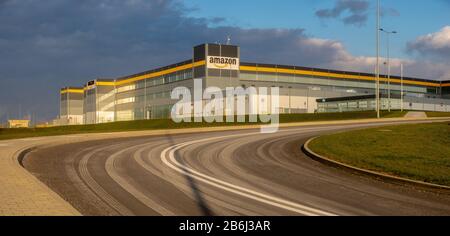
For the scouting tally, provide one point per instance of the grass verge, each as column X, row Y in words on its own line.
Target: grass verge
column 419, row 152
column 169, row 124
column 438, row 114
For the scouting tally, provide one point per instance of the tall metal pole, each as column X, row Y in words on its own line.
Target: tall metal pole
column 378, row 61
column 388, row 33
column 389, row 74
column 401, row 89
column 307, row 99
column 290, row 109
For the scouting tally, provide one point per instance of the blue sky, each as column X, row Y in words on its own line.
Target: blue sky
column 47, row 45
column 415, row 18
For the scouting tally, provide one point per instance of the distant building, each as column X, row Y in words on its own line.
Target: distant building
column 18, row 123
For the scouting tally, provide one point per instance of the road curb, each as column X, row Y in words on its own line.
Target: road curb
column 377, row 175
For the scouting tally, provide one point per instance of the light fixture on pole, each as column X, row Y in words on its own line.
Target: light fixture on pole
column 388, row 33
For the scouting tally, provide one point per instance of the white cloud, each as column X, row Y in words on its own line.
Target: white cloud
column 335, row 56
column 433, row 44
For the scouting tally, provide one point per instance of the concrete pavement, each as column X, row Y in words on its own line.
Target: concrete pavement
column 416, row 114
column 23, row 194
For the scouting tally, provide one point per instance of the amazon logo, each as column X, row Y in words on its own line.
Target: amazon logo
column 223, row 62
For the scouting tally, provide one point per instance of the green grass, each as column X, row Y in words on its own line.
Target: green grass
column 169, row 124
column 420, row 151
column 438, row 114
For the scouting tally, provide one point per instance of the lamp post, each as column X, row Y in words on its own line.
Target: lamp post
column 401, row 80
column 377, row 95
column 388, row 33
column 290, row 109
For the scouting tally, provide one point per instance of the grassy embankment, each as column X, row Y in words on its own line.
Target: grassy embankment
column 169, row 124
column 419, row 152
column 438, row 114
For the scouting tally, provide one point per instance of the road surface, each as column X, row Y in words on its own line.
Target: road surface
column 219, row 173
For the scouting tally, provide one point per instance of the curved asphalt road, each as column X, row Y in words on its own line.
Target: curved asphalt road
column 219, row 173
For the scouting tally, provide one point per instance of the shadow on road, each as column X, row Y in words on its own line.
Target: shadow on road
column 202, row 204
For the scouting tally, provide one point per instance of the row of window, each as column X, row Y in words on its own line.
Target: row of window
column 283, row 78
column 141, row 98
column 164, row 79
column 286, row 78
column 152, row 112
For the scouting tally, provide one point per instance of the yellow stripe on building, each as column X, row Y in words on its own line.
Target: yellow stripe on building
column 332, row 75
column 72, row 91
column 104, row 83
column 149, row 75
column 160, row 73
column 257, row 69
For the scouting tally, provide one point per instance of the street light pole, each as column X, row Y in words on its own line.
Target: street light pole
column 388, row 33
column 389, row 74
column 378, row 61
column 290, row 109
column 401, row 80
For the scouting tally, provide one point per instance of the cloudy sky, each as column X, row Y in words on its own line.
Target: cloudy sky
column 49, row 44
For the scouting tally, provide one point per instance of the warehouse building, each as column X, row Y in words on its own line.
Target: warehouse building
column 99, row 101
column 14, row 124
column 368, row 103
column 147, row 95
column 71, row 106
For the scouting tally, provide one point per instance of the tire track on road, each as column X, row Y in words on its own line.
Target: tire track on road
column 97, row 188
column 264, row 198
